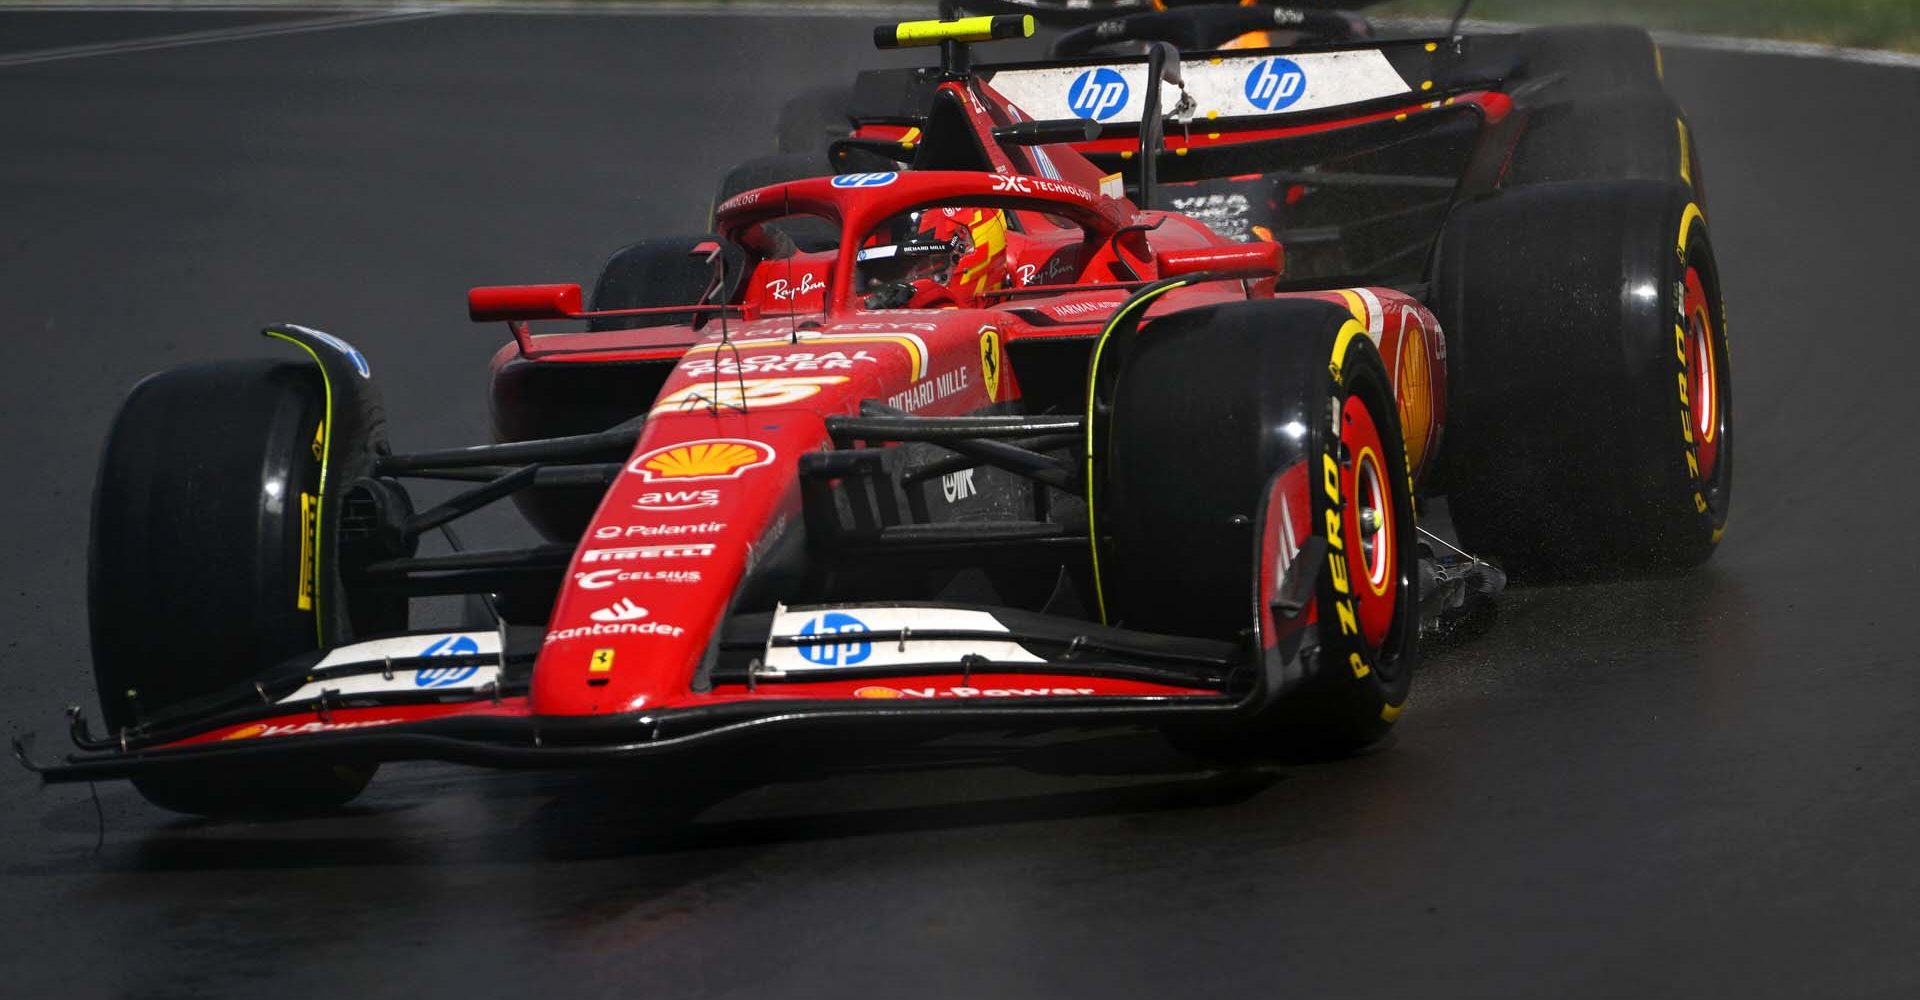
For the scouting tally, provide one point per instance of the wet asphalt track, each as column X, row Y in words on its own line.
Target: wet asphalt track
column 1697, row 787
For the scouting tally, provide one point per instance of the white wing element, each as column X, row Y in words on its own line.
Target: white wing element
column 882, row 636
column 1230, row 88
column 374, row 655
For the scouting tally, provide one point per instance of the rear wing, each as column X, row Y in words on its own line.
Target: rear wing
column 1234, row 89
column 1351, row 155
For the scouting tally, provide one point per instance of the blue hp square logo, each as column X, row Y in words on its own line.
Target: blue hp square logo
column 1274, row 84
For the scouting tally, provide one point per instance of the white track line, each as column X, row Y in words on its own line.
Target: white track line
column 1717, row 43
column 185, row 39
column 374, row 11
column 1798, row 50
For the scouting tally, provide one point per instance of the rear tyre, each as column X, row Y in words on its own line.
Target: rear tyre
column 1600, row 111
column 815, row 117
column 655, row 273
column 808, row 233
column 1591, row 412
column 201, row 571
column 1585, row 60
column 1212, row 410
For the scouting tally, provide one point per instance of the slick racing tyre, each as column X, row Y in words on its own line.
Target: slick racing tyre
column 1586, row 60
column 201, row 568
column 1595, row 109
column 658, row 272
column 1227, row 416
column 1592, row 400
column 808, row 233
column 812, row 119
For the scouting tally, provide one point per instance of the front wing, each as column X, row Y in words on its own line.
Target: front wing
column 461, row 697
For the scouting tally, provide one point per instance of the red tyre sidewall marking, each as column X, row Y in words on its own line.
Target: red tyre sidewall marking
column 1374, row 579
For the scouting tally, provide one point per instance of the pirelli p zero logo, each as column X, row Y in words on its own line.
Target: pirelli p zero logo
column 1343, row 608
column 309, row 550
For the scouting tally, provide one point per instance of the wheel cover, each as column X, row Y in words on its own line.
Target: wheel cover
column 1368, row 524
column 1703, row 375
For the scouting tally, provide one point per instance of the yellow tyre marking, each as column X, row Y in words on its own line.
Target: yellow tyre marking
column 326, row 452
column 1687, row 219
column 1388, row 713
column 1686, row 158
column 1350, row 329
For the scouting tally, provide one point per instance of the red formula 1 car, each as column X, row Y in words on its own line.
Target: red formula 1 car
column 975, row 444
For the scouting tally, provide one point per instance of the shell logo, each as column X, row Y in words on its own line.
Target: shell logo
column 874, row 691
column 713, row 458
column 1416, row 392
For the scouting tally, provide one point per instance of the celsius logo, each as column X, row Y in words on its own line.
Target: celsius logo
column 439, row 677
column 865, row 180
column 1098, row 94
column 1275, row 83
column 844, row 654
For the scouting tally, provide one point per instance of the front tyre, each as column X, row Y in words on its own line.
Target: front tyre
column 202, row 565
column 1226, row 420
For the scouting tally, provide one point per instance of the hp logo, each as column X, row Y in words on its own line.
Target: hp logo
column 439, row 677
column 844, row 654
column 1098, row 94
column 865, row 180
column 1274, row 84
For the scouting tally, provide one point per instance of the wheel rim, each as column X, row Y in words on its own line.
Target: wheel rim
column 1368, row 524
column 1703, row 376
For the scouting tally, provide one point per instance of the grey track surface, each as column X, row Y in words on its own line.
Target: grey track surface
column 1697, row 787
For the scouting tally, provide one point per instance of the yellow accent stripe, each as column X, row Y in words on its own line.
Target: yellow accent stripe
column 326, row 453
column 1093, row 376
column 966, row 29
column 1355, row 304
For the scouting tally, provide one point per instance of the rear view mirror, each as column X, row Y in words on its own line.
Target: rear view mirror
column 520, row 303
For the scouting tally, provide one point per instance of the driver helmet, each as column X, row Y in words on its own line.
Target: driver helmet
column 934, row 257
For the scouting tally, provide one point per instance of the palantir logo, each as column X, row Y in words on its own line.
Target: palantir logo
column 843, row 654
column 1275, row 83
column 1098, row 94
column 438, row 677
